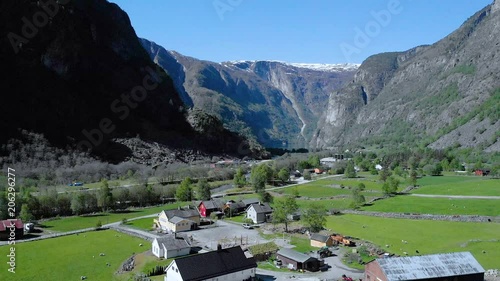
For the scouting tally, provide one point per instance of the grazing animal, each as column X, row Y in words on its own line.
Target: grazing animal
column 416, row 251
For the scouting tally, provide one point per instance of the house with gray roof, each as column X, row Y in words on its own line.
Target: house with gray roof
column 460, row 266
column 178, row 220
column 171, row 246
column 259, row 213
column 296, row 260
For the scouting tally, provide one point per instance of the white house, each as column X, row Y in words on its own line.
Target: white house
column 170, row 246
column 229, row 264
column 258, row 213
column 178, row 220
column 378, row 167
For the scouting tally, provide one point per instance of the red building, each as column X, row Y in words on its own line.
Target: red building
column 207, row 207
column 481, row 172
column 9, row 226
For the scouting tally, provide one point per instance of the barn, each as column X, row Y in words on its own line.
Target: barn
column 318, row 240
column 295, row 260
column 461, row 266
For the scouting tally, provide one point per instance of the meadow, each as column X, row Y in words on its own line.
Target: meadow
column 425, row 236
column 441, row 206
column 69, row 257
column 80, row 222
column 459, row 185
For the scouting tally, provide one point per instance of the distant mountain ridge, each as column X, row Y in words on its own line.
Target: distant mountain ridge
column 446, row 94
column 275, row 102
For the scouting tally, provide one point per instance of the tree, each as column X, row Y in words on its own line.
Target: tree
column 283, row 208
column 78, row 203
column 259, row 176
column 25, row 213
column 361, row 186
column 314, row 217
column 384, row 174
column 284, row 175
column 239, row 178
column 357, row 198
column 185, row 191
column 104, row 196
column 204, row 192
column 266, row 197
column 302, row 165
column 314, row 161
column 433, row 169
column 413, row 177
column 307, row 175
column 390, row 186
column 350, row 171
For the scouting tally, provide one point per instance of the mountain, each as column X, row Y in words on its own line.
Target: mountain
column 446, row 94
column 76, row 72
column 275, row 102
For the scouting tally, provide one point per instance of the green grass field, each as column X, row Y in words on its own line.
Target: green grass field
column 441, row 206
column 69, row 257
column 459, row 185
column 144, row 224
column 77, row 222
column 428, row 237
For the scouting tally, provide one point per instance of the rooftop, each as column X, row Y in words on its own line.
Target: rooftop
column 430, row 266
column 262, row 208
column 294, row 255
column 171, row 242
column 212, row 264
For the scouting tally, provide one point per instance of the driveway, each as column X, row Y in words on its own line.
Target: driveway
column 228, row 234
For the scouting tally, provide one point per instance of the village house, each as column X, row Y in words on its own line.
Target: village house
column 232, row 208
column 461, row 266
column 223, row 264
column 318, row 240
column 171, row 246
column 207, row 207
column 178, row 220
column 6, row 227
column 259, row 213
column 250, row 201
column 481, row 172
column 295, row 260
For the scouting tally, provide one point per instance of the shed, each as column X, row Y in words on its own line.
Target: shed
column 461, row 266
column 295, row 260
column 318, row 240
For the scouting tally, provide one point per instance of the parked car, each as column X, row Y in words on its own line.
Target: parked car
column 247, row 226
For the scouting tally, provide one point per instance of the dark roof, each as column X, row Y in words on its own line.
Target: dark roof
column 430, row 266
column 213, row 264
column 237, row 205
column 212, row 204
column 250, row 201
column 262, row 208
column 7, row 223
column 319, row 237
column 294, row 255
column 171, row 242
column 181, row 213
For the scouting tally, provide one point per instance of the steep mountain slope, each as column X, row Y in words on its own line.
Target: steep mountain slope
column 76, row 72
column 445, row 94
column 273, row 101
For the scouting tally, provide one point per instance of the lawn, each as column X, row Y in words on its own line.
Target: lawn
column 69, row 257
column 459, row 185
column 341, row 203
column 144, row 224
column 444, row 206
column 426, row 236
column 144, row 263
column 80, row 222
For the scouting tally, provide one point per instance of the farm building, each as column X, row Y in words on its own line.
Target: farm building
column 232, row 208
column 207, row 207
column 460, row 266
column 11, row 226
column 223, row 264
column 318, row 240
column 250, row 201
column 178, row 220
column 295, row 260
column 259, row 213
column 170, row 246
column 481, row 172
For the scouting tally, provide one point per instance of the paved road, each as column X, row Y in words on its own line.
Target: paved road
column 457, row 196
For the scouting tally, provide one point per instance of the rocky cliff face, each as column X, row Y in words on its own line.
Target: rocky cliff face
column 275, row 102
column 77, row 73
column 430, row 92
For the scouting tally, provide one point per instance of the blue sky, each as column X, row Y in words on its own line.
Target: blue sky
column 312, row 31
